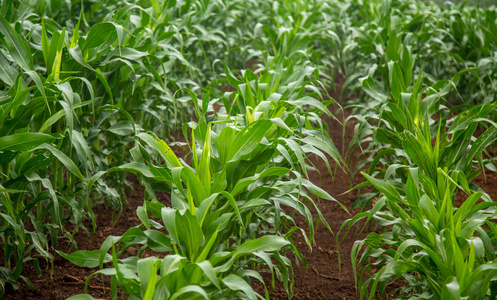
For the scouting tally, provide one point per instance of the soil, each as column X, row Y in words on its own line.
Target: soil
column 322, row 279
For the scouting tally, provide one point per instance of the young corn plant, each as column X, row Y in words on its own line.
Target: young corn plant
column 441, row 252
column 291, row 100
column 218, row 218
column 297, row 33
column 188, row 269
column 41, row 147
column 417, row 143
column 413, row 126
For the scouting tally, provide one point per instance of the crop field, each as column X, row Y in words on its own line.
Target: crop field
column 248, row 149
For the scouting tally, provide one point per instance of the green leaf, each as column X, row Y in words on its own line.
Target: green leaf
column 420, row 154
column 84, row 258
column 162, row 148
column 254, row 203
column 39, row 84
column 122, row 128
column 65, row 160
column 247, row 139
column 8, row 74
column 76, row 54
column 190, row 234
column 147, row 272
column 82, row 297
column 313, row 103
column 369, row 86
column 396, row 80
column 17, row 46
column 52, row 120
column 102, row 79
column 129, row 53
column 483, row 141
column 388, row 190
column 99, row 34
column 450, row 289
column 203, row 170
column 244, row 182
column 24, row 141
column 265, row 243
column 236, row 283
column 158, row 241
column 209, row 272
column 190, row 289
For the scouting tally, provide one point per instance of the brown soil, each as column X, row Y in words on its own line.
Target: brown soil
column 323, row 279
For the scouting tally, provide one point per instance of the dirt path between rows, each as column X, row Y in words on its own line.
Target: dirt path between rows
column 323, row 279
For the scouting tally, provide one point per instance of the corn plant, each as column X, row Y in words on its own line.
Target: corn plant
column 84, row 83
column 222, row 205
column 32, row 107
column 428, row 133
column 425, row 149
column 441, row 251
column 282, row 99
column 191, row 272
